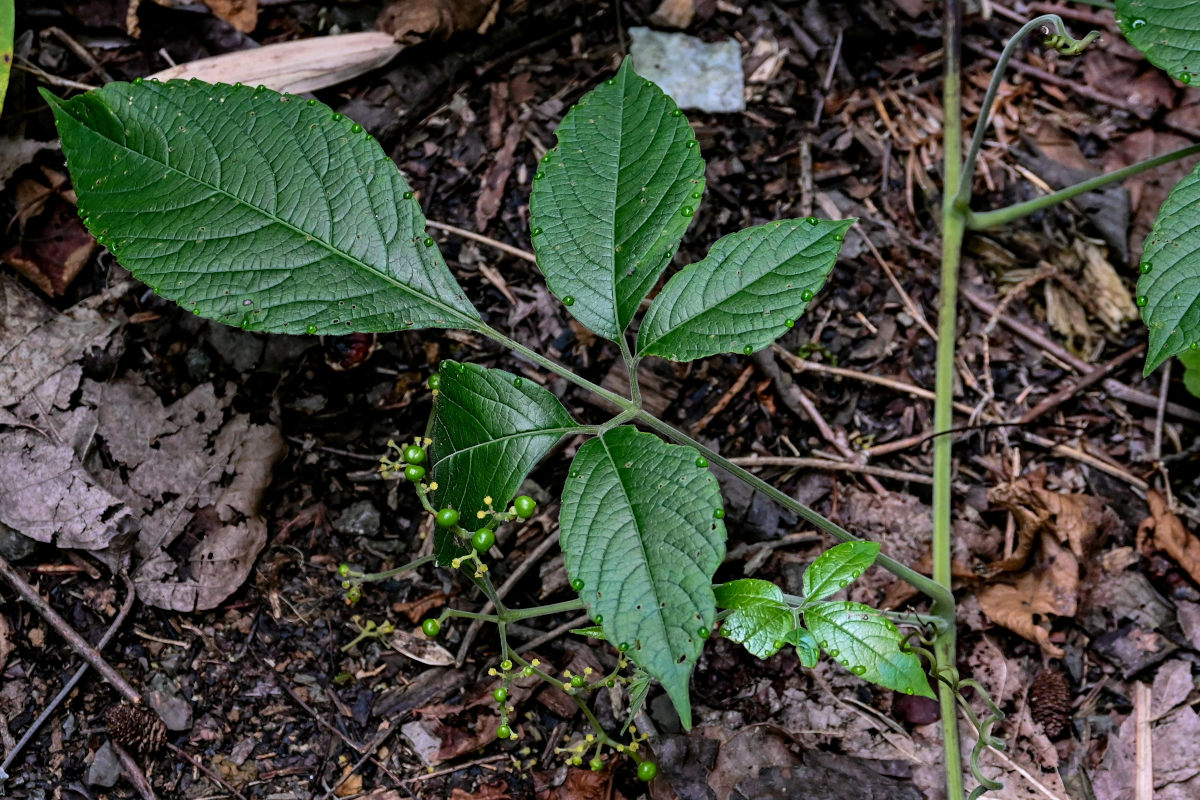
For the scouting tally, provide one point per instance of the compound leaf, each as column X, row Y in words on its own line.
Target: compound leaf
column 761, row 620
column 746, row 293
column 638, row 527
column 837, row 567
column 868, row 644
column 255, row 209
column 611, row 202
column 1167, row 31
column 1169, row 287
column 489, row 429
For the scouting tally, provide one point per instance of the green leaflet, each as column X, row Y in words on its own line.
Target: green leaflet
column 806, row 646
column 834, row 569
column 489, row 429
column 8, row 25
column 761, row 620
column 746, row 293
column 1169, row 287
column 638, row 528
column 1191, row 371
column 611, row 202
column 868, row 644
column 255, row 209
column 1167, row 31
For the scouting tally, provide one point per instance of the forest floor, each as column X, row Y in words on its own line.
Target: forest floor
column 1055, row 502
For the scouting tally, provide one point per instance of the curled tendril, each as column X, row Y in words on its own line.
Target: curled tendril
column 948, row 674
column 1064, row 43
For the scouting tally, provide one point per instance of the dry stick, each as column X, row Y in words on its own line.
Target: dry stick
column 355, row 746
column 1143, row 743
column 77, row 642
column 1161, row 411
column 799, row 402
column 831, row 466
column 466, row 234
column 525, row 565
column 458, row 768
column 1112, row 386
column 737, row 387
column 133, row 773
column 213, row 776
column 1096, row 375
column 69, row 686
column 371, row 749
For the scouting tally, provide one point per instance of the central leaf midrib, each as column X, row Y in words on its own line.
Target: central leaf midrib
column 561, row 431
column 470, row 322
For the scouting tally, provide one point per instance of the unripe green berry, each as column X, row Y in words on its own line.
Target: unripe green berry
column 506, row 665
column 431, row 627
column 346, row 584
column 414, row 454
column 447, row 518
column 577, row 585
column 524, row 506
column 527, row 672
column 503, row 732
column 483, row 540
column 435, row 381
column 353, row 595
column 577, row 681
column 414, row 473
column 596, row 764
column 647, row 771
column 343, row 570
column 501, row 694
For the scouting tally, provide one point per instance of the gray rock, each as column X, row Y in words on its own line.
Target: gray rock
column 105, row 768
column 358, row 519
column 696, row 74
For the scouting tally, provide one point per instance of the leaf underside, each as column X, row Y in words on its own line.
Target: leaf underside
column 490, row 428
column 1167, row 31
column 614, row 198
column 1171, row 287
column 255, row 209
column 868, row 644
column 745, row 293
column 638, row 528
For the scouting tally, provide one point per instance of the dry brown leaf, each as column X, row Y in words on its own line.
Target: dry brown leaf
column 6, row 645
column 674, row 14
column 1072, row 518
column 1170, row 536
column 241, row 14
column 413, row 21
column 1049, row 589
column 303, row 65
column 491, row 190
column 420, row 648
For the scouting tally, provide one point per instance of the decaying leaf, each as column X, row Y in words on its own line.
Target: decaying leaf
column 1048, row 589
column 241, row 14
column 419, row 648
column 1166, row 532
column 303, row 65
column 413, row 21
column 674, row 14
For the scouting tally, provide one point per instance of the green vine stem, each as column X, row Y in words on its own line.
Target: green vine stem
column 953, row 225
column 1002, row 216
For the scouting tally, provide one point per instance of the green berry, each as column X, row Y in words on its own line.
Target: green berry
column 527, row 672
column 353, row 595
column 447, row 518
column 647, row 771
column 503, row 732
column 346, row 584
column 596, row 764
column 435, row 381
column 343, row 570
column 483, row 540
column 506, row 665
column 524, row 506
column 414, row 454
column 577, row 681
column 431, row 627
column 501, row 694
column 577, row 585
column 414, row 473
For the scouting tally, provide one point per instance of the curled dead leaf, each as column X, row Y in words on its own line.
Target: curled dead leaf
column 1166, row 532
column 413, row 21
column 1049, row 589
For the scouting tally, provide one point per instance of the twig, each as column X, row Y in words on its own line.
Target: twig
column 1144, row 743
column 133, row 773
column 1024, row 773
column 1096, row 375
column 490, row 242
column 1161, row 410
column 82, row 52
column 67, row 688
column 831, row 466
column 77, row 642
column 188, row 757
column 737, row 387
column 457, row 768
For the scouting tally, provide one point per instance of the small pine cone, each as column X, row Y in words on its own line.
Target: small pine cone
column 1050, row 701
column 136, row 728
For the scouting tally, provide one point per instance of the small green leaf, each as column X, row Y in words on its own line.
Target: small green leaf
column 1167, row 31
column 837, row 567
column 868, row 644
column 761, row 620
column 611, row 202
column 255, row 209
column 639, row 529
column 489, row 429
column 748, row 291
column 638, row 689
column 1191, row 371
column 1169, row 286
column 806, row 646
column 591, row 632
column 8, row 26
